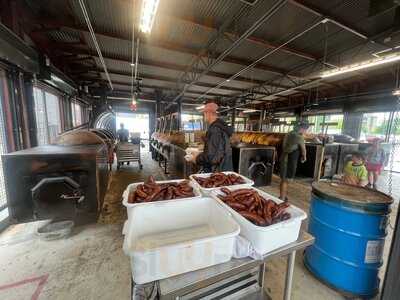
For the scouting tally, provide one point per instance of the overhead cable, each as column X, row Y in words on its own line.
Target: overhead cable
column 96, row 44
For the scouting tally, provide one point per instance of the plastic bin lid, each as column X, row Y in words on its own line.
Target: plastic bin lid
column 348, row 193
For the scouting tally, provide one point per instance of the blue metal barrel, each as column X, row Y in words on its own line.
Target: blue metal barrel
column 349, row 225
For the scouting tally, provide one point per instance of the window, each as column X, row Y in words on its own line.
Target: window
column 374, row 125
column 283, row 124
column 191, row 122
column 239, row 124
column 318, row 123
column 334, row 128
column 53, row 116
column 135, row 123
column 76, row 109
column 315, row 123
column 48, row 117
column 3, row 149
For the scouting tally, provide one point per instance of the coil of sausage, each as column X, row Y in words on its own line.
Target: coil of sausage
column 255, row 208
column 218, row 180
column 152, row 191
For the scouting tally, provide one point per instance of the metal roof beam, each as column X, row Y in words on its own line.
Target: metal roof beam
column 210, row 49
column 155, row 87
column 51, row 24
column 341, row 23
column 251, row 39
column 159, row 64
column 192, row 92
column 172, row 80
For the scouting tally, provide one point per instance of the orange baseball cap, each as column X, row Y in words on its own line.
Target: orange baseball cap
column 210, row 107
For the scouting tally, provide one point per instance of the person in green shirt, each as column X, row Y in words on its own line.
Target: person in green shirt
column 293, row 147
column 355, row 172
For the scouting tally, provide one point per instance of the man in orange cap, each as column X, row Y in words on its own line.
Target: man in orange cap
column 217, row 154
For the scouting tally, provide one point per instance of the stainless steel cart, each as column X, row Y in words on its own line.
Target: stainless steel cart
column 237, row 279
column 127, row 153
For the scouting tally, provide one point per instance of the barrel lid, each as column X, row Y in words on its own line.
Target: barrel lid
column 350, row 193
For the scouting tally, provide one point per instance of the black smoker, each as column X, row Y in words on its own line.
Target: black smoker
column 255, row 162
column 345, row 151
column 56, row 182
column 315, row 153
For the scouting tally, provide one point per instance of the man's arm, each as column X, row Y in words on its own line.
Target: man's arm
column 303, row 149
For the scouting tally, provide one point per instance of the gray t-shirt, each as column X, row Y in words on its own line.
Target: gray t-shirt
column 292, row 141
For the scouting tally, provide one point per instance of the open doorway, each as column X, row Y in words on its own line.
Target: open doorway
column 135, row 123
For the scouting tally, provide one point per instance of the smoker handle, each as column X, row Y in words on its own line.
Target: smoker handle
column 257, row 163
column 45, row 181
column 72, row 183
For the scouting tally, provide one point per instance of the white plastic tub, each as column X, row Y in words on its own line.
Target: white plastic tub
column 133, row 186
column 269, row 238
column 207, row 191
column 164, row 239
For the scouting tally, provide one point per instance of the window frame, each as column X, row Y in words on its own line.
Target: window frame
column 61, row 122
column 9, row 143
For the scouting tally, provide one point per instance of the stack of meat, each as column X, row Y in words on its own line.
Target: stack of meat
column 175, row 138
column 266, row 138
column 218, row 180
column 258, row 138
column 152, row 191
column 255, row 208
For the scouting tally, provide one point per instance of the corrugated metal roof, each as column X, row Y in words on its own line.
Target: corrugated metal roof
column 213, row 10
column 116, row 17
column 109, row 15
column 111, row 46
column 65, row 36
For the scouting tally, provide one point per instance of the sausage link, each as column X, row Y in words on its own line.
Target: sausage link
column 140, row 193
column 253, row 218
column 236, row 205
column 226, row 190
column 242, row 192
column 132, row 197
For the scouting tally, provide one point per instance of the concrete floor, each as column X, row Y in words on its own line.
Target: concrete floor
column 91, row 264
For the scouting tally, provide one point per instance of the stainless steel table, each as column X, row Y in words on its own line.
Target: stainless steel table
column 234, row 277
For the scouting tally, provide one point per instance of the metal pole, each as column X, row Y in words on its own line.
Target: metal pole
column 179, row 114
column 277, row 93
column 389, row 126
column 261, row 120
column 391, row 284
column 233, row 118
column 289, row 275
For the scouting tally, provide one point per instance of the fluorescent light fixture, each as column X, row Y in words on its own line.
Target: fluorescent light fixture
column 132, row 64
column 56, row 79
column 200, row 107
column 247, row 111
column 148, row 14
column 396, row 93
column 362, row 65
